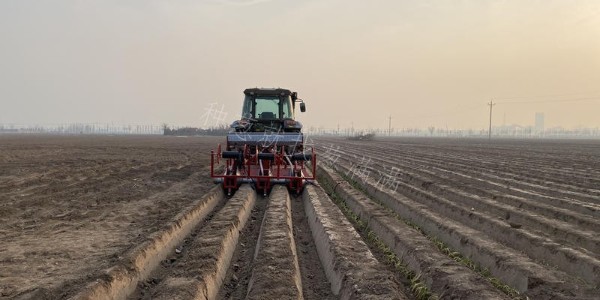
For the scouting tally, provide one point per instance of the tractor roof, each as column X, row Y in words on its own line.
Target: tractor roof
column 268, row 91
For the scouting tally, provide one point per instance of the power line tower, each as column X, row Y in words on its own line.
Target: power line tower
column 491, row 104
column 390, row 126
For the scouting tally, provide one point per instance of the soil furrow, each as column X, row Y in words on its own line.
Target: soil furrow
column 443, row 275
column 200, row 269
column 512, row 267
column 351, row 268
column 276, row 274
column 513, row 210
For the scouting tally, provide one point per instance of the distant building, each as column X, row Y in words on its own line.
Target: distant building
column 539, row 122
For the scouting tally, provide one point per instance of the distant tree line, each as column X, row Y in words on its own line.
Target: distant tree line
column 191, row 131
column 82, row 128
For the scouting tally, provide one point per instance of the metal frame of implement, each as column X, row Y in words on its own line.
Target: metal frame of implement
column 264, row 166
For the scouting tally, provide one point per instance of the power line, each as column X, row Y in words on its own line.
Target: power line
column 569, row 95
column 551, row 101
column 459, row 110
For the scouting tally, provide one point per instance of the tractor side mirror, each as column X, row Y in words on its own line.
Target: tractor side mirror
column 302, row 107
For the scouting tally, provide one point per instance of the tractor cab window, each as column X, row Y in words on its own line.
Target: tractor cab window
column 267, row 107
column 287, row 107
column 247, row 110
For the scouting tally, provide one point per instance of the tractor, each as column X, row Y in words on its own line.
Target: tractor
column 266, row 146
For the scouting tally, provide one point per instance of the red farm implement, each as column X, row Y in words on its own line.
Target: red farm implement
column 266, row 146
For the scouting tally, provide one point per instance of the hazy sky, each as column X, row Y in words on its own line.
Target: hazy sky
column 422, row 62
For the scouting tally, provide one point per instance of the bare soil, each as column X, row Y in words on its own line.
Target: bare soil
column 235, row 285
column 70, row 206
column 314, row 280
column 537, row 199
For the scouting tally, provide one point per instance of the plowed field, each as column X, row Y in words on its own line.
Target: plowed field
column 88, row 217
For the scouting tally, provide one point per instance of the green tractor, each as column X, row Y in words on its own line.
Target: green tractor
column 266, row 146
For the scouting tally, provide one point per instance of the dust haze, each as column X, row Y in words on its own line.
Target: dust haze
column 424, row 63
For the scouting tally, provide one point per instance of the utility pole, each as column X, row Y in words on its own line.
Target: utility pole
column 390, row 126
column 491, row 104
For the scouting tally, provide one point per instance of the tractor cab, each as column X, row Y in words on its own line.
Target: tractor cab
column 269, row 110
